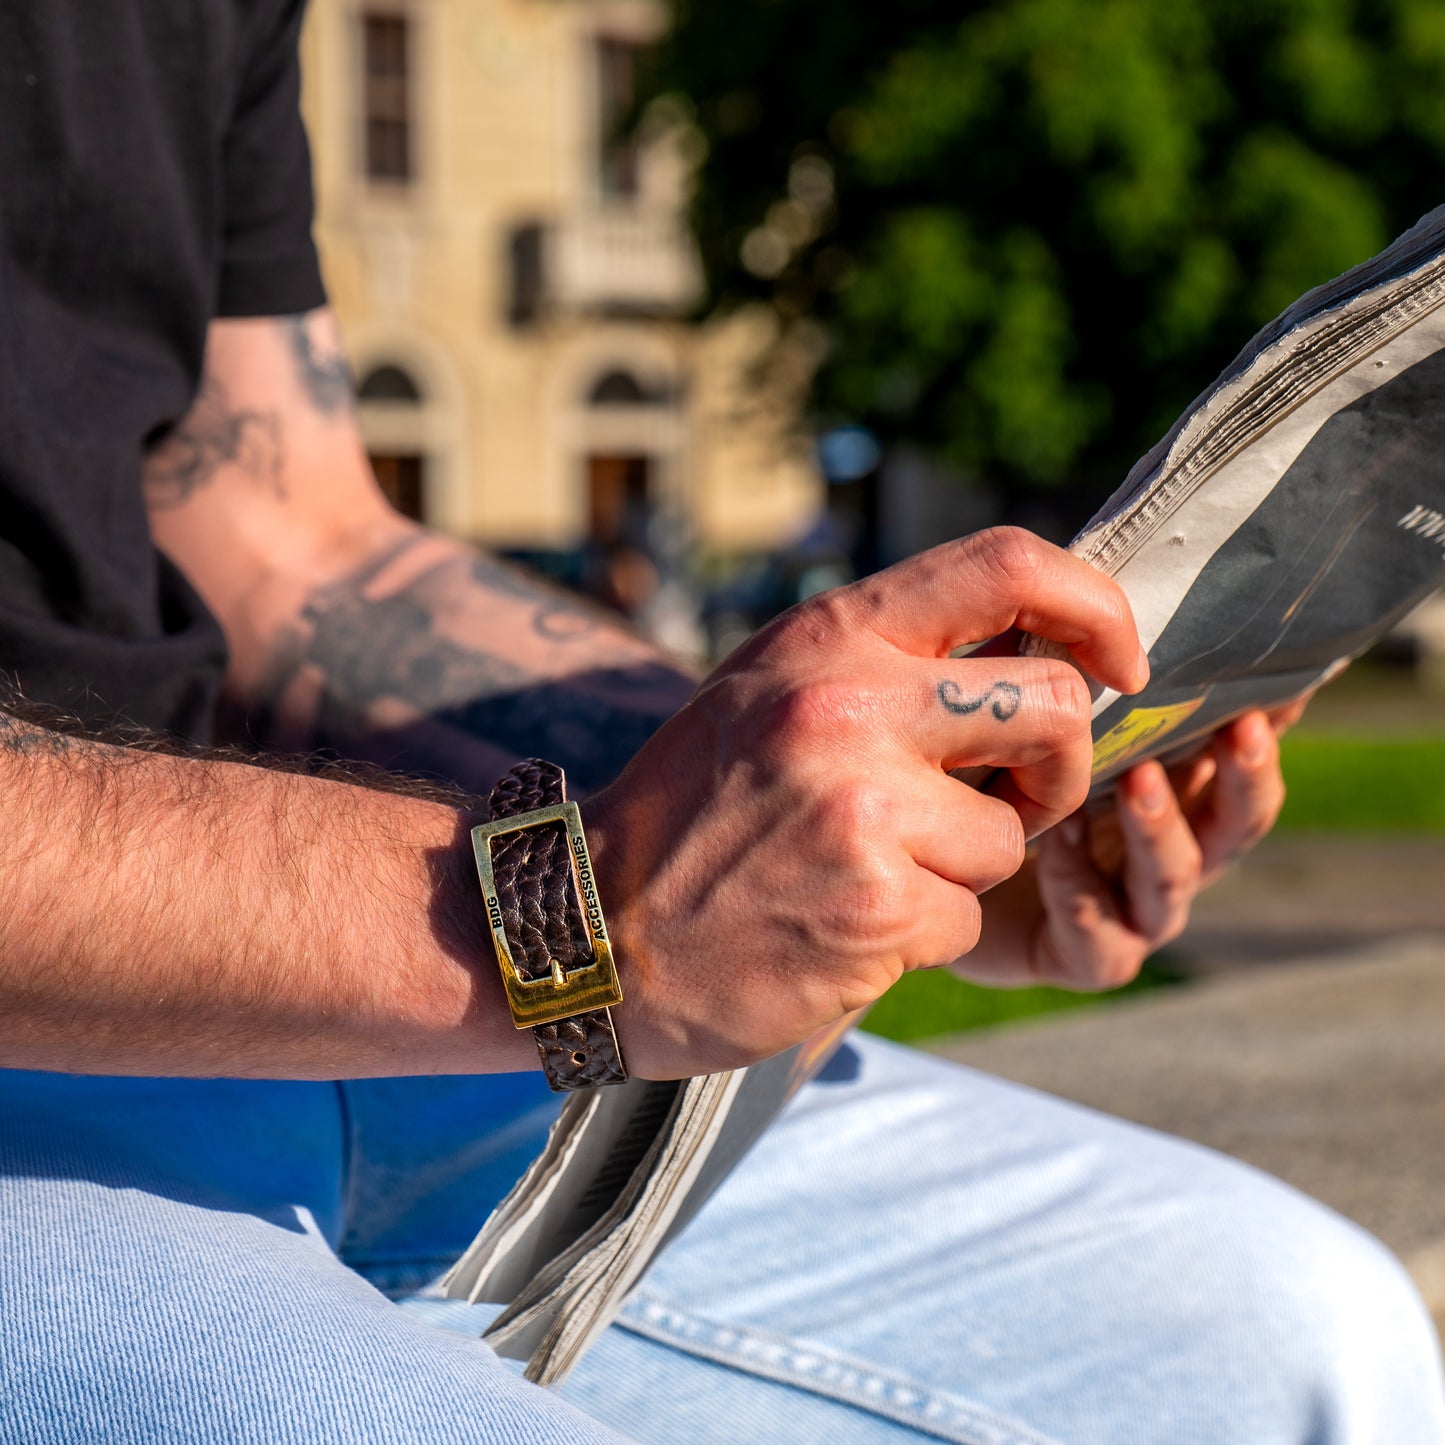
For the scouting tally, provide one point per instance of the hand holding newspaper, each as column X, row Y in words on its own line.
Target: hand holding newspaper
column 1293, row 514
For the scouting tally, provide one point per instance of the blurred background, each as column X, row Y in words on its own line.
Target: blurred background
column 700, row 307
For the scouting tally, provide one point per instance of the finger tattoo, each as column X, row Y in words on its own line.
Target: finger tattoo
column 1004, row 696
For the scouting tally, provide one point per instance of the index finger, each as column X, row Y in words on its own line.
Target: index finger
column 979, row 586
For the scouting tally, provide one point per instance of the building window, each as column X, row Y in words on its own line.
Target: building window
column 386, row 97
column 388, row 383
column 616, row 92
column 525, row 257
column 618, row 388
column 401, row 477
column 619, row 498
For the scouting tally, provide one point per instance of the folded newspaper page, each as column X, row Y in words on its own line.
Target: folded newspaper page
column 1290, row 518
column 623, row 1170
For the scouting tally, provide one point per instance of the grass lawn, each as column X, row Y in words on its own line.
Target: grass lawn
column 923, row 1005
column 1348, row 781
column 1338, row 780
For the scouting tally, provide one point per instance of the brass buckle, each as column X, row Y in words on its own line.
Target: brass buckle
column 536, row 1001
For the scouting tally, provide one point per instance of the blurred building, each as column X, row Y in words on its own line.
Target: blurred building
column 512, row 280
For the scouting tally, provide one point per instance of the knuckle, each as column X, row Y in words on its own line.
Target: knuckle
column 1267, row 798
column 853, row 817
column 1174, row 890
column 813, row 709
column 1067, row 700
column 1066, row 788
column 1121, row 967
column 857, row 604
column 1080, row 913
column 1174, row 895
column 831, row 610
column 970, row 926
column 811, row 624
column 876, row 904
column 1281, row 792
column 1013, row 555
column 1171, row 930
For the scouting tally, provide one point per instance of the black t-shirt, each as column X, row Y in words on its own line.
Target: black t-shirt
column 154, row 174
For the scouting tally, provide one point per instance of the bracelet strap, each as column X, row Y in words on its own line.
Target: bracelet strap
column 545, row 925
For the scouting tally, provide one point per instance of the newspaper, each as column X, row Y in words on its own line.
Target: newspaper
column 1291, row 517
column 623, row 1170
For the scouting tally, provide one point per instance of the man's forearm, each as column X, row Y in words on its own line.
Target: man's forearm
column 426, row 654
column 354, row 630
column 170, row 915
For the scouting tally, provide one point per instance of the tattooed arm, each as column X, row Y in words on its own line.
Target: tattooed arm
column 773, row 856
column 354, row 630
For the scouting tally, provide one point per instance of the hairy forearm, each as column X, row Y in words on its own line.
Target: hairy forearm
column 172, row 915
column 356, row 633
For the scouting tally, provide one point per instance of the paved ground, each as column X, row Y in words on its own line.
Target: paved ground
column 1311, row 1043
column 1310, row 894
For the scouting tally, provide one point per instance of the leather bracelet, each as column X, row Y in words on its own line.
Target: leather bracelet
column 547, row 926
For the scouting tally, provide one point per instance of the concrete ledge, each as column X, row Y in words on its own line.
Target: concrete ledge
column 1329, row 1073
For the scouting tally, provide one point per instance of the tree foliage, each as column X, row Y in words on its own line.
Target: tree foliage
column 1033, row 229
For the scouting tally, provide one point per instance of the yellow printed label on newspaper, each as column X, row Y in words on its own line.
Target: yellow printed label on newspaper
column 1137, row 732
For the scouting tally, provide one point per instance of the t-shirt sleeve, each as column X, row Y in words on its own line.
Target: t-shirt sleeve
column 268, row 258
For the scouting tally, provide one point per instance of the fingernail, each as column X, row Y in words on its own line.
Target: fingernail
column 1148, row 791
column 1141, row 666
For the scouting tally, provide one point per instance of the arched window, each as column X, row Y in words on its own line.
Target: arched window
column 388, row 383
column 619, row 388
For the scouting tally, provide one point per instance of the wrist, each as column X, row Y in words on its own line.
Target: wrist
column 614, row 825
column 547, row 926
column 476, row 1027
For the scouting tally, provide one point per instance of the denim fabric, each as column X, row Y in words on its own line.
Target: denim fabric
column 915, row 1252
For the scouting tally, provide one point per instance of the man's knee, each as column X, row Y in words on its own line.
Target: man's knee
column 1313, row 1321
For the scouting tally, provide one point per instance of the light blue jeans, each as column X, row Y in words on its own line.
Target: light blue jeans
column 916, row 1252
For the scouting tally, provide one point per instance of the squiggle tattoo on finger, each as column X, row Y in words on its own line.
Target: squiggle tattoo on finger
column 1004, row 696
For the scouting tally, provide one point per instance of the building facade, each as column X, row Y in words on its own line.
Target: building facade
column 512, row 280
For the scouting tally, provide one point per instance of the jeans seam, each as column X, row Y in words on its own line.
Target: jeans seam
column 827, row 1373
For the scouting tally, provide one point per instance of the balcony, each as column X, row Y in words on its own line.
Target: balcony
column 610, row 261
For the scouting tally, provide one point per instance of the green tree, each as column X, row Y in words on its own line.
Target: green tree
column 1033, row 229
